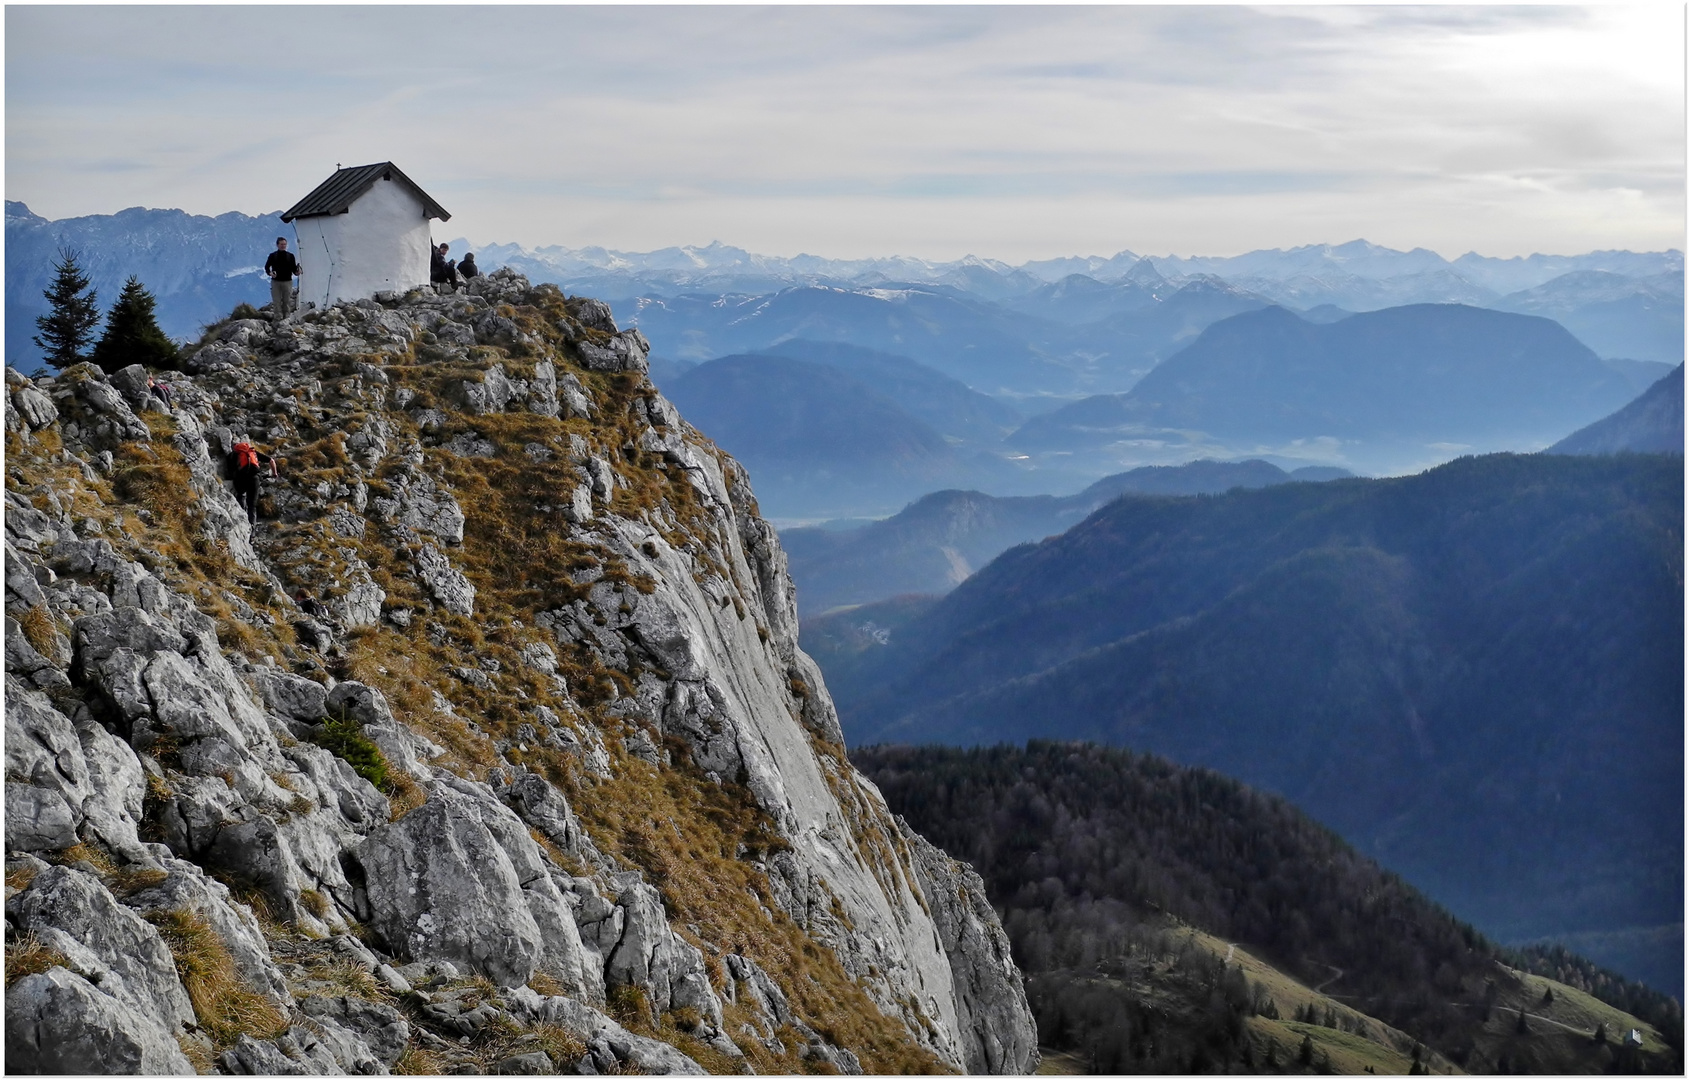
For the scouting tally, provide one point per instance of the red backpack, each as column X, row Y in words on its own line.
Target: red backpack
column 245, row 455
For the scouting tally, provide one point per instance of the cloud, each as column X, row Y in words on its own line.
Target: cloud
column 1003, row 131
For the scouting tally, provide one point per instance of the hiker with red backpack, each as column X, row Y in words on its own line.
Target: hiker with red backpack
column 245, row 463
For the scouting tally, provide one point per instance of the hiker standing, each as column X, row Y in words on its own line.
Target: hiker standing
column 245, row 463
column 281, row 268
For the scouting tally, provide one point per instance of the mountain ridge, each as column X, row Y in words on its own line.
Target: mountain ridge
column 505, row 679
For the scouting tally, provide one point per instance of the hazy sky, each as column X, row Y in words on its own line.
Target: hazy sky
column 1006, row 132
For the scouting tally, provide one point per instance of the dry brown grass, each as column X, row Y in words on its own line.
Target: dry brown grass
column 314, row 902
column 39, row 629
column 559, row 1042
column 20, row 877
column 352, row 980
column 95, row 857
column 224, row 1004
column 199, row 1052
column 27, row 956
column 149, row 478
column 415, row 1061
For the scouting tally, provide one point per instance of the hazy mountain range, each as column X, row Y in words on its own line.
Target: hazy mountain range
column 937, row 542
column 1474, row 674
column 1387, row 390
column 194, row 262
column 1086, row 340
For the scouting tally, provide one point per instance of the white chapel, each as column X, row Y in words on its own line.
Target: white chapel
column 363, row 230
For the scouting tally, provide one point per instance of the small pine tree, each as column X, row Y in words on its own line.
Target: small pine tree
column 74, row 311
column 1306, row 1054
column 1600, row 1036
column 132, row 335
column 1522, row 1028
column 1548, row 995
column 1272, row 1057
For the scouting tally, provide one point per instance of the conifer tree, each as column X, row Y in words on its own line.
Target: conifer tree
column 132, row 335
column 68, row 326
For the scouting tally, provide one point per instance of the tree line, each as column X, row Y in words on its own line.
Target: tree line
column 132, row 334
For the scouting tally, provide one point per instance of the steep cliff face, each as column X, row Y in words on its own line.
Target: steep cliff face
column 491, row 745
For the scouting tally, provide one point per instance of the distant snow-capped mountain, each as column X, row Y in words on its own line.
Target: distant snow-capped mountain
column 1621, row 303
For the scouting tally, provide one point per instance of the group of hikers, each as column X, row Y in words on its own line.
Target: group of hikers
column 283, row 266
column 445, row 271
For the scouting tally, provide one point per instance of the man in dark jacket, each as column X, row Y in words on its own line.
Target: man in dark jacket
column 442, row 271
column 467, row 268
column 245, row 463
column 281, row 268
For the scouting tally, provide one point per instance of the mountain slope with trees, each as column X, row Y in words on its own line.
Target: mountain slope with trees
column 1474, row 674
column 1652, row 424
column 1117, row 874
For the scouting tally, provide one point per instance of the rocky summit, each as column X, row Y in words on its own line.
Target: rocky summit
column 489, row 749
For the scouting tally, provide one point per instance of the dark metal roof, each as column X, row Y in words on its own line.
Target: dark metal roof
column 337, row 194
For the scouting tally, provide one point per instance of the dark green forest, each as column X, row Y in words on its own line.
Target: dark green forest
column 1095, row 856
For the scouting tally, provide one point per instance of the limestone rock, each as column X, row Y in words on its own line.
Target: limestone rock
column 998, row 1034
column 402, row 747
column 610, row 1045
column 290, row 695
column 382, row 1028
column 299, row 1052
column 656, row 959
column 38, row 819
column 59, row 1022
column 542, row 806
column 186, row 889
column 542, row 389
column 441, row 885
column 575, row 403
column 111, row 945
column 131, row 382
column 626, row 351
column 450, row 589
column 489, row 393
column 36, row 408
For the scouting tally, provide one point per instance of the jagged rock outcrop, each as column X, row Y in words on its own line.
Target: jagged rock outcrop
column 508, row 676
column 998, row 1030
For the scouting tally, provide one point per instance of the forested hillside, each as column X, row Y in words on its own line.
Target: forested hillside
column 1126, row 883
column 1474, row 674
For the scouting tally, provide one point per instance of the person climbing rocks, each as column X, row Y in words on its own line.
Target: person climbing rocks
column 161, row 392
column 281, row 268
column 442, row 271
column 311, row 606
column 467, row 268
column 245, row 464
